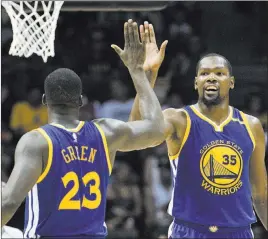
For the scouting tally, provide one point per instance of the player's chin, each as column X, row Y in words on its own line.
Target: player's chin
column 211, row 97
column 211, row 100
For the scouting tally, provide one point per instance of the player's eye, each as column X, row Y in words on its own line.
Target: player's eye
column 204, row 73
column 219, row 73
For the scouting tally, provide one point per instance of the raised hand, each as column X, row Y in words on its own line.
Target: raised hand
column 133, row 55
column 154, row 56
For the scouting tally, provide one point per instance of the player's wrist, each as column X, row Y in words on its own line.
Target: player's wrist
column 151, row 75
column 152, row 71
column 136, row 70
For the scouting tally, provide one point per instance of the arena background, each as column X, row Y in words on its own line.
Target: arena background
column 140, row 183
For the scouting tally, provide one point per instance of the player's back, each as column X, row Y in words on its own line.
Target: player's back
column 69, row 198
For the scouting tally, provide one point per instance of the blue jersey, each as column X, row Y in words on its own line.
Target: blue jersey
column 69, row 198
column 211, row 171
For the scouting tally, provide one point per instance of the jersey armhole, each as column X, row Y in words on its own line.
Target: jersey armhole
column 50, row 154
column 244, row 117
column 185, row 137
column 104, row 141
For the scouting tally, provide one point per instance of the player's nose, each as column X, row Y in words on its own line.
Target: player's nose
column 212, row 80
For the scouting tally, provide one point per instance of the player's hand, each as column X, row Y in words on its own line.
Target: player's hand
column 133, row 55
column 154, row 56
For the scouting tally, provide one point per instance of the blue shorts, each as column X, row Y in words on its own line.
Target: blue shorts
column 182, row 229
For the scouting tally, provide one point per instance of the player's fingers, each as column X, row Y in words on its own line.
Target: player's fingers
column 151, row 33
column 146, row 36
column 130, row 31
column 142, row 32
column 146, row 28
column 163, row 48
column 117, row 49
column 126, row 34
column 136, row 33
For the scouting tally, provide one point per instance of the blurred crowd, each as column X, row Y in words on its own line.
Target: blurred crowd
column 140, row 186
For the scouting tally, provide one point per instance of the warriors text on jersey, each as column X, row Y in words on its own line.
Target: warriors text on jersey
column 211, row 171
column 69, row 198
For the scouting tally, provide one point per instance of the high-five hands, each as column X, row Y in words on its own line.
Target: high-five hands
column 154, row 56
column 133, row 55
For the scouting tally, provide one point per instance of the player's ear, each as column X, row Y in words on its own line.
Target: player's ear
column 232, row 82
column 80, row 101
column 195, row 83
column 44, row 101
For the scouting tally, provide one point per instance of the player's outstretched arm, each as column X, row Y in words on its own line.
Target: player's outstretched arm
column 27, row 169
column 128, row 136
column 258, row 173
column 153, row 61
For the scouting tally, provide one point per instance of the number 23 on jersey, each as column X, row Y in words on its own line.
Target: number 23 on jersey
column 67, row 203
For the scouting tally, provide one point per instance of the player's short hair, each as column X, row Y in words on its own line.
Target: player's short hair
column 227, row 63
column 63, row 87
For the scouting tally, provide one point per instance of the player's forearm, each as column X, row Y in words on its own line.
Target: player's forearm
column 8, row 209
column 135, row 112
column 149, row 106
column 260, row 204
column 151, row 76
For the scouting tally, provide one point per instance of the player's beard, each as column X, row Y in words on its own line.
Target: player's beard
column 213, row 101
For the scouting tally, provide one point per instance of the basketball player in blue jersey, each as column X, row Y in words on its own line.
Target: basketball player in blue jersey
column 64, row 166
column 216, row 155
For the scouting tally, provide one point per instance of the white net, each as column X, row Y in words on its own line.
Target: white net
column 33, row 24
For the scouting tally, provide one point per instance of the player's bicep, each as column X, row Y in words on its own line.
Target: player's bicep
column 258, row 175
column 27, row 168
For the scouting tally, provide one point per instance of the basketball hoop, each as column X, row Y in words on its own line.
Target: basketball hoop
column 33, row 30
column 34, row 22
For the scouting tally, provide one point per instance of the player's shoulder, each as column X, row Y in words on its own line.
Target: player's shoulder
column 105, row 122
column 255, row 125
column 32, row 141
column 33, row 135
column 110, row 126
column 99, row 121
column 176, row 114
column 252, row 120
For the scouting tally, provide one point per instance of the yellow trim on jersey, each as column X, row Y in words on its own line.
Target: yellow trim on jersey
column 185, row 137
column 105, row 147
column 237, row 120
column 75, row 130
column 244, row 117
column 50, row 155
column 218, row 128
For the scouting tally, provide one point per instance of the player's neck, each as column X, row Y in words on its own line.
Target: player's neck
column 68, row 118
column 216, row 113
